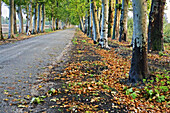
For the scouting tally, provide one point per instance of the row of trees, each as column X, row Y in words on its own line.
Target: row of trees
column 37, row 11
column 103, row 24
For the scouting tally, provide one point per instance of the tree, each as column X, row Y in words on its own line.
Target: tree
column 116, row 19
column 34, row 30
column 11, row 19
column 104, row 28
column 39, row 18
column 43, row 19
column 15, row 19
column 155, row 30
column 95, row 22
column 123, row 21
column 20, row 17
column 91, row 21
column 1, row 35
column 139, row 64
column 30, row 18
column 111, row 17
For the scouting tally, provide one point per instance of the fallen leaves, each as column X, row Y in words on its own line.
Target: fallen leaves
column 91, row 82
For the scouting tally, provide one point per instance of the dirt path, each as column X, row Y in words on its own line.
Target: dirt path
column 20, row 62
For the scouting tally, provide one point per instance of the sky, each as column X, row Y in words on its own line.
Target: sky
column 5, row 11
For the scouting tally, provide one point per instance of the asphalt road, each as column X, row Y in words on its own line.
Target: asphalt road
column 21, row 61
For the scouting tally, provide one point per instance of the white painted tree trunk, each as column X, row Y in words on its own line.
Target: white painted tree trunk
column 11, row 19
column 104, row 28
column 34, row 31
column 27, row 12
column 39, row 18
column 43, row 19
column 30, row 18
column 139, row 64
column 20, row 17
column 96, row 35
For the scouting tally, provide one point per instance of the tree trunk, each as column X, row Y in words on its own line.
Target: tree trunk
column 15, row 20
column 11, row 19
column 39, row 18
column 43, row 19
column 95, row 22
column 99, row 17
column 56, row 23
column 1, row 35
column 20, row 17
column 104, row 28
column 53, row 24
column 81, row 24
column 139, row 64
column 34, row 30
column 30, row 18
column 111, row 17
column 123, row 21
column 91, row 20
column 155, row 30
column 27, row 19
column 88, row 29
column 116, row 19
column 86, row 23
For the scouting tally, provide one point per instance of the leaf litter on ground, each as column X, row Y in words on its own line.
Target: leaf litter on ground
column 91, row 81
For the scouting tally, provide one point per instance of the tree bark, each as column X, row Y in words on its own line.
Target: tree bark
column 39, row 18
column 95, row 22
column 104, row 28
column 56, row 23
column 34, row 30
column 91, row 24
column 139, row 64
column 27, row 18
column 111, row 17
column 116, row 19
column 43, row 19
column 20, row 17
column 1, row 35
column 86, row 23
column 15, row 20
column 30, row 18
column 155, row 30
column 81, row 23
column 11, row 19
column 123, row 21
column 53, row 24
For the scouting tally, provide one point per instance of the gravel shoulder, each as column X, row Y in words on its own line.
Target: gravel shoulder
column 21, row 62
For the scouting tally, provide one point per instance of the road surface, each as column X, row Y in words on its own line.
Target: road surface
column 21, row 61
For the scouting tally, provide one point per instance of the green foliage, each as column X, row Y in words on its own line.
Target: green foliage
column 51, row 91
column 37, row 100
column 119, row 6
column 167, row 33
column 130, row 27
column 74, row 41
